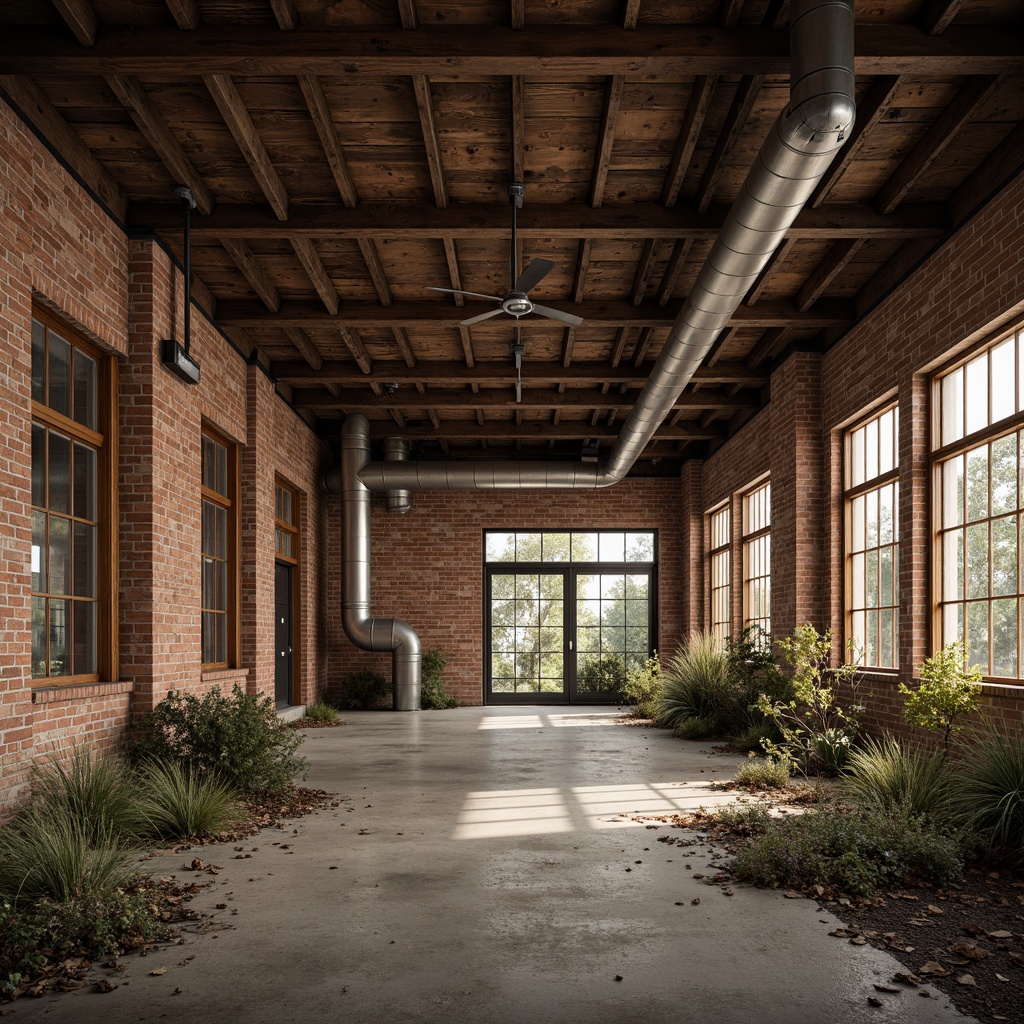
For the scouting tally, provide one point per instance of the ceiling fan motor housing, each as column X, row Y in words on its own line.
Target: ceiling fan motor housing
column 517, row 304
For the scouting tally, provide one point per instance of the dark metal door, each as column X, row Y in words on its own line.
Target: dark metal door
column 283, row 633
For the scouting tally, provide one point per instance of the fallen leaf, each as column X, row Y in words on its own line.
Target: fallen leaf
column 906, row 979
column 966, row 979
column 793, row 895
column 874, row 1001
column 159, row 970
column 969, row 951
column 102, row 985
column 695, row 901
column 1002, row 977
column 858, row 940
column 934, row 969
column 885, row 988
column 842, row 933
column 1000, row 935
column 932, row 909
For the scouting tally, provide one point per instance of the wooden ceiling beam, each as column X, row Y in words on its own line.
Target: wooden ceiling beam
column 715, row 352
column 29, row 98
column 564, row 430
column 930, row 146
column 619, row 347
column 451, row 255
column 618, row 222
column 517, row 14
column 739, row 111
column 937, row 15
column 154, row 129
column 776, row 17
column 777, row 258
column 597, row 313
column 729, row 13
column 311, row 263
column 408, row 14
column 643, row 345
column 518, row 128
column 355, row 345
column 591, row 50
column 468, row 354
column 453, row 374
column 631, row 15
column 998, row 169
column 378, row 275
column 674, row 268
column 579, row 282
column 239, row 123
column 185, row 14
column 689, row 132
column 606, row 141
column 285, row 14
column 79, row 16
column 902, row 262
column 870, row 110
column 320, row 112
column 425, row 105
column 768, row 345
column 644, row 269
column 454, row 400
column 305, row 347
column 255, row 273
column 831, row 266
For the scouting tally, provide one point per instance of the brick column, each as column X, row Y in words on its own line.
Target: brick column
column 691, row 531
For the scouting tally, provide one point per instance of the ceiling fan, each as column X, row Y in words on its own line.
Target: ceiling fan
column 517, row 302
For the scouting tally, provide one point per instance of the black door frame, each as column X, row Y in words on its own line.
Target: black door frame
column 570, row 571
column 289, row 568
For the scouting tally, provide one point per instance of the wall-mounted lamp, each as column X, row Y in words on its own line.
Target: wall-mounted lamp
column 173, row 355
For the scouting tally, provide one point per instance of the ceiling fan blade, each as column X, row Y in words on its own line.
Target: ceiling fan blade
column 534, row 274
column 459, row 291
column 557, row 314
column 482, row 316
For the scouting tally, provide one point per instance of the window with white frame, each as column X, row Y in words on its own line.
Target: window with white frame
column 871, row 493
column 757, row 559
column 720, row 573
column 978, row 512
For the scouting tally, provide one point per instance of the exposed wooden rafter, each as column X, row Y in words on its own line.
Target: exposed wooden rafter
column 777, row 258
column 254, row 272
column 938, row 14
column 606, row 141
column 518, row 128
column 79, row 16
column 311, row 263
column 285, row 14
column 689, row 133
column 185, row 13
column 673, row 269
column 425, row 105
column 826, row 272
column 739, row 111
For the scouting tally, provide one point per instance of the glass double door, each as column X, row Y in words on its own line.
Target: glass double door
column 569, row 635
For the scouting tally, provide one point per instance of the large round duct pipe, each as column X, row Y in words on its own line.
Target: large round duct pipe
column 801, row 145
column 396, row 449
column 371, row 633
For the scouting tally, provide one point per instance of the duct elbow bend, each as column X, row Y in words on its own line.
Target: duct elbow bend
column 822, row 123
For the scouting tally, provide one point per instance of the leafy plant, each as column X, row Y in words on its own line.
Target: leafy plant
column 238, row 738
column 178, row 802
column 364, row 689
column 761, row 773
column 602, row 675
column 642, row 688
column 947, row 692
column 94, row 791
column 432, row 691
column 695, row 688
column 752, row 738
column 817, row 731
column 989, row 790
column 855, row 852
column 60, row 858
column 322, row 713
column 753, row 670
column 888, row 774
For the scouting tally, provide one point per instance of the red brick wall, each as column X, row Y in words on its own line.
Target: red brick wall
column 427, row 566
column 971, row 287
column 58, row 249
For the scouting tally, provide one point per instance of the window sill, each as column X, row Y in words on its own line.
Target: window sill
column 78, row 691
column 226, row 675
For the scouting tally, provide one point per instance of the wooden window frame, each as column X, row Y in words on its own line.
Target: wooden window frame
column 986, row 436
column 232, row 505
column 748, row 538
column 104, row 441
column 290, row 527
column 852, row 492
column 717, row 555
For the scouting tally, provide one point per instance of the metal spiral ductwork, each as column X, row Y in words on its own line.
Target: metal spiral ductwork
column 800, row 147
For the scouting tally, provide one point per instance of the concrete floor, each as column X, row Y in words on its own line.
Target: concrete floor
column 483, row 866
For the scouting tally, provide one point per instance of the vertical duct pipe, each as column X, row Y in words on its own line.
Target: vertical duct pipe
column 799, row 148
column 371, row 633
column 397, row 449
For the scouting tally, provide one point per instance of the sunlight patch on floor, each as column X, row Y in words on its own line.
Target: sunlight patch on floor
column 515, row 812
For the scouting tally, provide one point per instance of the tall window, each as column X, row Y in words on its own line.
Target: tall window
column 720, row 573
column 219, row 533
column 286, row 518
column 70, row 515
column 871, row 495
column 977, row 439
column 757, row 559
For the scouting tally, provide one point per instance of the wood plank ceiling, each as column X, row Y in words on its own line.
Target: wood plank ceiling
column 345, row 156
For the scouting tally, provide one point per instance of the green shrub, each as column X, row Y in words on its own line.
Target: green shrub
column 888, row 774
column 95, row 791
column 602, row 675
column 61, row 858
column 178, row 802
column 432, row 692
column 91, row 927
column 855, row 852
column 642, row 688
column 752, row 819
column 695, row 685
column 699, row 728
column 817, row 731
column 752, row 739
column 946, row 693
column 989, row 790
column 239, row 739
column 753, row 670
column 761, row 773
column 364, row 689
column 321, row 713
